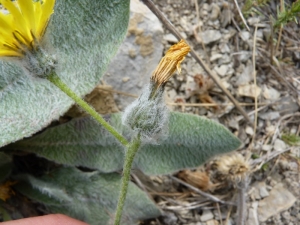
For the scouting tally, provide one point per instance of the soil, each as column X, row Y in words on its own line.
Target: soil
column 270, row 96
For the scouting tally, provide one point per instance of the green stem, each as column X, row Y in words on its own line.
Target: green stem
column 53, row 78
column 132, row 149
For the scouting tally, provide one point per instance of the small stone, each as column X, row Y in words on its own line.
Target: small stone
column 252, row 214
column 253, row 20
column 280, row 199
column 229, row 222
column 233, row 124
column 267, row 34
column 269, row 116
column 249, row 90
column 170, row 218
column 205, row 7
column 249, row 130
column 132, row 53
column 287, row 105
column 217, row 215
column 212, row 222
column 256, row 194
column 226, row 15
column 266, row 148
column 263, row 192
column 222, row 70
column 279, row 145
column 215, row 11
column 210, row 36
column 271, row 93
column 224, row 48
column 170, row 38
column 225, row 59
column 246, row 75
column 215, row 57
column 172, row 94
column 245, row 35
column 286, row 215
column 125, row 79
column 206, row 215
column 243, row 56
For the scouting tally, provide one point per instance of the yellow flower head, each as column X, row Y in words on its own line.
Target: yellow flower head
column 23, row 24
column 170, row 62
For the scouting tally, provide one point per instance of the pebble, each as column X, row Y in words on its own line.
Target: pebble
column 225, row 59
column 270, row 93
column 169, row 218
column 215, row 11
column 215, row 57
column 212, row 222
column 246, row 76
column 224, row 48
column 172, row 94
column 249, row 130
column 263, row 192
column 221, row 70
column 286, row 215
column 217, row 215
column 249, row 90
column 252, row 214
column 287, row 105
column 210, row 36
column 266, row 148
column 243, row 56
column 245, row 35
column 170, row 38
column 205, row 7
column 206, row 215
column 269, row 115
column 279, row 199
column 233, row 124
column 253, row 20
column 279, row 145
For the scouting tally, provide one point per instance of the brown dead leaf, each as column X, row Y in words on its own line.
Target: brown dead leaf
column 101, row 99
column 6, row 191
column 196, row 178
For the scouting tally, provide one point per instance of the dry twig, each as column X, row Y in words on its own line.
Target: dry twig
column 211, row 197
column 241, row 15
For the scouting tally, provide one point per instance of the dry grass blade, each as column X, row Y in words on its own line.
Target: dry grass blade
column 213, row 76
column 211, row 197
column 241, row 15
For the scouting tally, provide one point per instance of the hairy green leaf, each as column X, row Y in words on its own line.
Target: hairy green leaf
column 82, row 142
column 88, row 196
column 83, row 35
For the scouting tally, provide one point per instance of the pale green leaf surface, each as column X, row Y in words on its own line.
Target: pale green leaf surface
column 83, row 35
column 88, row 196
column 5, row 166
column 82, row 142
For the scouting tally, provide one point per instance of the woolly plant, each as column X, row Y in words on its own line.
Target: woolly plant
column 52, row 54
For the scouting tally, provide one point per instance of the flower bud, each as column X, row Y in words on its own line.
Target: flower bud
column 39, row 62
column 148, row 115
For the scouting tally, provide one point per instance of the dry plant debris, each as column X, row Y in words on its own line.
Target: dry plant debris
column 259, row 66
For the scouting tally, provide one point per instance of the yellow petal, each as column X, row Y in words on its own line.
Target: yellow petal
column 19, row 23
column 47, row 10
column 6, row 22
column 38, row 14
column 170, row 62
column 4, row 52
column 27, row 11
